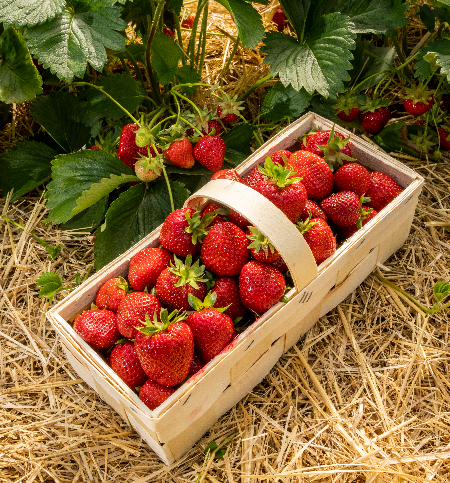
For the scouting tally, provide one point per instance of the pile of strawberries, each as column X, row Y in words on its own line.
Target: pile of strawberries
column 214, row 273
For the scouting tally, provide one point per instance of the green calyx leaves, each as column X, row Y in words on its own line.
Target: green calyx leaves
column 421, row 93
column 208, row 302
column 198, row 225
column 161, row 321
column 332, row 150
column 188, row 272
column 259, row 241
column 144, row 137
column 305, row 226
column 277, row 173
column 371, row 105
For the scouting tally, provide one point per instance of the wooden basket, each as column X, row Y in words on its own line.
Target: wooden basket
column 175, row 426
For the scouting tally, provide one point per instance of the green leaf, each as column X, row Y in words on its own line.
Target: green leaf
column 51, row 284
column 121, row 87
column 186, row 74
column 434, row 54
column 390, row 140
column 24, row 167
column 324, row 107
column 428, row 17
column 196, row 170
column 89, row 219
column 175, row 5
column 136, row 213
column 283, row 101
column 320, row 63
column 238, row 142
column 29, row 12
column 19, row 79
column 165, row 55
column 248, row 21
column 441, row 290
column 69, row 121
column 77, row 172
column 65, row 43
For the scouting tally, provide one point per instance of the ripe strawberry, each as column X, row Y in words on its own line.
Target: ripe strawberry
column 125, row 363
column 224, row 249
column 444, row 137
column 188, row 22
column 146, row 266
column 277, row 156
column 353, row 177
column 347, row 109
column 383, row 189
column 348, row 231
column 226, row 118
column 98, row 328
column 180, row 153
column 221, row 213
column 418, row 100
column 314, row 172
column 319, row 237
column 183, row 230
column 132, row 312
column 260, row 246
column 178, row 281
column 228, row 109
column 314, row 209
column 231, row 174
column 210, row 151
column 374, row 115
column 342, row 208
column 261, row 286
column 280, row 265
column 94, row 147
column 211, row 328
column 167, row 31
column 227, row 295
column 279, row 186
column 197, row 365
column 238, row 219
column 212, row 127
column 279, row 19
column 111, row 293
column 128, row 151
column 165, row 349
column 153, row 394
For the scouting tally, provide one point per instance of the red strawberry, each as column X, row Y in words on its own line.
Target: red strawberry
column 111, row 293
column 94, row 147
column 352, row 177
column 178, row 281
column 224, row 249
column 349, row 116
column 210, row 151
column 418, row 100
column 261, row 286
column 197, row 365
column 146, row 266
column 231, row 174
column 343, row 208
column 280, row 265
column 180, row 153
column 227, row 295
column 260, row 247
column 211, row 328
column 444, row 137
column 279, row 19
column 238, row 219
column 374, row 114
column 221, row 213
column 277, row 156
column 165, row 349
column 188, row 22
column 226, row 118
column 314, row 172
column 125, row 363
column 183, row 230
column 128, row 151
column 167, row 31
column 383, row 189
column 279, row 186
column 228, row 109
column 313, row 209
column 98, row 328
column 319, row 237
column 212, row 127
column 132, row 312
column 153, row 394
column 348, row 231
column 347, row 109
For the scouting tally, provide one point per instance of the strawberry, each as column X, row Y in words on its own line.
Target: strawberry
column 374, row 115
column 319, row 237
column 342, row 208
column 383, row 189
column 167, row 31
column 221, row 213
column 279, row 19
column 153, row 394
column 314, row 209
column 227, row 295
column 197, row 365
column 125, row 363
column 277, row 156
column 98, row 328
column 210, row 126
column 418, row 100
column 111, row 293
column 314, row 172
column 238, row 219
column 180, row 153
column 228, row 109
column 165, row 349
column 212, row 329
column 352, row 177
column 348, row 231
column 280, row 264
column 94, row 147
column 347, row 109
column 183, row 230
column 444, row 137
column 146, row 266
column 179, row 280
column 132, row 312
column 149, row 168
column 260, row 247
column 188, row 22
column 224, row 249
column 279, row 186
column 128, row 151
column 210, row 151
column 260, row 286
column 231, row 174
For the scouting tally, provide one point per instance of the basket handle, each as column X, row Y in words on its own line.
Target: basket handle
column 268, row 219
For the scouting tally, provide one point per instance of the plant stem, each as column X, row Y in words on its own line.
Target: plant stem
column 151, row 75
column 169, row 189
column 191, row 45
column 136, row 67
column 199, row 112
column 255, row 86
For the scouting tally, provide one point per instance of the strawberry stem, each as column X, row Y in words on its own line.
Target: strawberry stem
column 169, row 189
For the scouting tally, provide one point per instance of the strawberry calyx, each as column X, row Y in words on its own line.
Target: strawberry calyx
column 123, row 285
column 151, row 167
column 332, row 150
column 346, row 104
column 188, row 272
column 154, row 326
column 259, row 241
column 198, row 224
column 305, row 226
column 363, row 210
column 144, row 137
column 421, row 93
column 423, row 141
column 229, row 105
column 277, row 173
column 371, row 105
column 207, row 303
